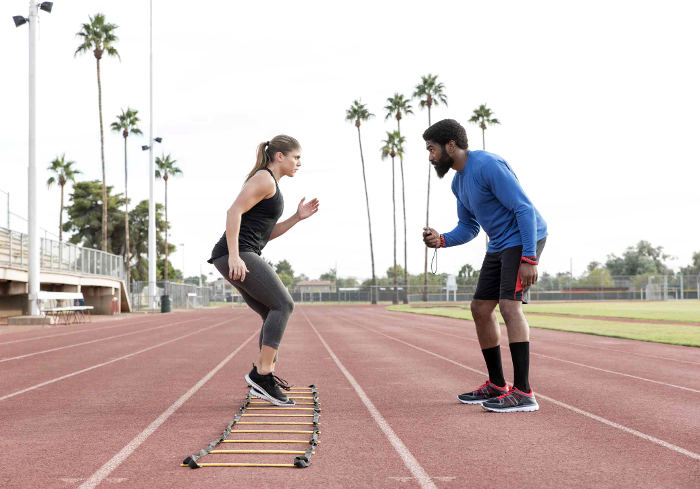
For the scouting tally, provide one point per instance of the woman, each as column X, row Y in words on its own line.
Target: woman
column 250, row 223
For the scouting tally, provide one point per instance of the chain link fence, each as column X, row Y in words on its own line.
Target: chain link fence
column 182, row 296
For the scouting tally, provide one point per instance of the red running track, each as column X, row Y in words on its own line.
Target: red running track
column 121, row 403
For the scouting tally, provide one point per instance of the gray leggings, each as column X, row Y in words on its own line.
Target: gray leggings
column 265, row 293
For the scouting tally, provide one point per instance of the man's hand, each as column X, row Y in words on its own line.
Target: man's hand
column 308, row 209
column 528, row 274
column 431, row 238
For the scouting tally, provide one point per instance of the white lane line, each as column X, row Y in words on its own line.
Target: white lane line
column 408, row 459
column 87, row 330
column 666, row 384
column 645, row 355
column 600, row 419
column 93, row 341
column 78, row 372
column 116, row 461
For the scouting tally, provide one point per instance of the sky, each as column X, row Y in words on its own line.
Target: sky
column 598, row 103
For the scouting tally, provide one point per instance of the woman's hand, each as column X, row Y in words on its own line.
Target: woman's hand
column 308, row 209
column 236, row 268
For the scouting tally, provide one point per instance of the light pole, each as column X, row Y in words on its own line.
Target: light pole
column 33, row 279
column 183, row 262
column 151, row 170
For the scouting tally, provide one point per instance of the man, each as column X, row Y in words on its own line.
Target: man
column 490, row 196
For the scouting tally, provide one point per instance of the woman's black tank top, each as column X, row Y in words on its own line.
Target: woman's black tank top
column 256, row 225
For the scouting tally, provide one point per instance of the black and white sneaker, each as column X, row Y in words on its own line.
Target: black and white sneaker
column 485, row 392
column 514, row 400
column 268, row 387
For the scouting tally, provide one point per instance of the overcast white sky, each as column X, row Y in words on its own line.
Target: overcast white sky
column 598, row 103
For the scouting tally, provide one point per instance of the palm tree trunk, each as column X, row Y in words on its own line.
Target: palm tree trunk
column 405, row 249
column 427, row 219
column 126, row 214
column 166, row 230
column 395, row 299
column 373, row 292
column 60, row 220
column 483, row 139
column 102, row 154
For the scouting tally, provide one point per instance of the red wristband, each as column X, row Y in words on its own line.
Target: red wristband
column 532, row 260
column 442, row 241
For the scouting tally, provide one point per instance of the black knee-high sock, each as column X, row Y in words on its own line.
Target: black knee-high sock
column 520, row 353
column 493, row 364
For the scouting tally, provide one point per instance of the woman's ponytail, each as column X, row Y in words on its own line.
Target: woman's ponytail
column 267, row 151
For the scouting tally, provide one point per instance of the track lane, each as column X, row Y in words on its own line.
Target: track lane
column 620, row 399
column 353, row 451
column 82, row 418
column 30, row 374
column 551, row 446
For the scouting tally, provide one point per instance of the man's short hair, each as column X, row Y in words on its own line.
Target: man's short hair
column 446, row 130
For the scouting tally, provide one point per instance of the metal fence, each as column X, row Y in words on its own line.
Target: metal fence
column 641, row 287
column 182, row 296
column 58, row 256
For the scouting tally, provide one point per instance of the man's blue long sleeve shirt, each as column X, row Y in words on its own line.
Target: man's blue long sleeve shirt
column 489, row 195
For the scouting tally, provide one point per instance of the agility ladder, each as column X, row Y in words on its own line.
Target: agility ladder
column 306, row 400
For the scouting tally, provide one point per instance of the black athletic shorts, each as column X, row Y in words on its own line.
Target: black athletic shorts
column 500, row 274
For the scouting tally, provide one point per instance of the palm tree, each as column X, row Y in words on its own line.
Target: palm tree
column 127, row 122
column 430, row 93
column 63, row 173
column 395, row 106
column 482, row 116
column 98, row 37
column 358, row 113
column 166, row 168
column 393, row 145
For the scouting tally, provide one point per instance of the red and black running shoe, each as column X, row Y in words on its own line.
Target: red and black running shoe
column 512, row 401
column 485, row 392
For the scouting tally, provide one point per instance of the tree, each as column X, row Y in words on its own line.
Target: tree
column 359, row 113
column 285, row 273
column 165, row 167
column 393, row 145
column 430, row 92
column 642, row 259
column 84, row 216
column 127, row 122
column 98, row 37
column 596, row 276
column 467, row 275
column 330, row 276
column 63, row 173
column 482, row 117
column 396, row 105
column 694, row 267
column 138, row 222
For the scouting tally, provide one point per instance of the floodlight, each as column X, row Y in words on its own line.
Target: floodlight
column 46, row 6
column 19, row 20
column 158, row 139
column 144, row 147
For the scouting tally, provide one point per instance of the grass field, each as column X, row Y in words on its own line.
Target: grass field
column 675, row 334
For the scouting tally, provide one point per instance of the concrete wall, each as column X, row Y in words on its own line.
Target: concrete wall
column 101, row 298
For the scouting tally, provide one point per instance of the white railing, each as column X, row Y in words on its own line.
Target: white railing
column 59, row 256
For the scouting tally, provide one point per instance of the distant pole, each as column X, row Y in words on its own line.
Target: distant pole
column 33, row 279
column 151, row 175
column 681, row 286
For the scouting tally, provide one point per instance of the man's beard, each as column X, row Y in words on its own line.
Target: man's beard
column 444, row 164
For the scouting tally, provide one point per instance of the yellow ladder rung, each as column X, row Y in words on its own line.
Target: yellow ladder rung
column 279, row 408
column 274, row 422
column 301, row 432
column 230, row 464
column 267, row 441
column 265, row 403
column 290, row 452
column 281, row 415
column 299, row 397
